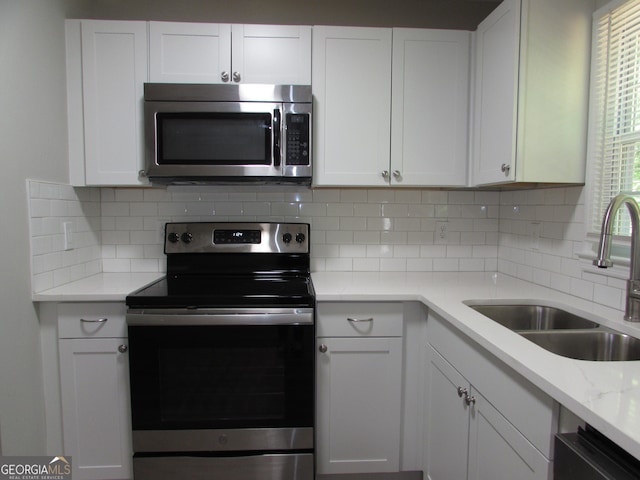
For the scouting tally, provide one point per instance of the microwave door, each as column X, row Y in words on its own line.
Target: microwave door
column 205, row 139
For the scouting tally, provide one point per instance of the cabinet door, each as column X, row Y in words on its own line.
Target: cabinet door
column 189, row 52
column 272, row 54
column 351, row 70
column 358, row 404
column 447, row 421
column 114, row 69
column 430, row 108
column 498, row 451
column 496, row 92
column 94, row 380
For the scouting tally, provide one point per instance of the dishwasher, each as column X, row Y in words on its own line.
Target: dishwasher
column 589, row 455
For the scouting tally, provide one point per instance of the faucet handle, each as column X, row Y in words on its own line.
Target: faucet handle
column 603, row 263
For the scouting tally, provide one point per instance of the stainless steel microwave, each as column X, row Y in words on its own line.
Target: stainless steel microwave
column 208, row 133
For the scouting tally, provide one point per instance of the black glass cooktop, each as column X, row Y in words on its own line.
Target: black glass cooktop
column 219, row 291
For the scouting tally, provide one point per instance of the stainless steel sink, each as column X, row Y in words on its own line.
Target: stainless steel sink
column 596, row 345
column 533, row 317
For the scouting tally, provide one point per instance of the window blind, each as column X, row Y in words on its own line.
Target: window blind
column 616, row 108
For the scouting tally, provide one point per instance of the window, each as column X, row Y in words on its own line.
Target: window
column 615, row 108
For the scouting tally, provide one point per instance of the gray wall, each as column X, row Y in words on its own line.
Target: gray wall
column 457, row 14
column 32, row 145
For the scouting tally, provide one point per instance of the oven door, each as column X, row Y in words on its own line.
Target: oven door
column 221, row 386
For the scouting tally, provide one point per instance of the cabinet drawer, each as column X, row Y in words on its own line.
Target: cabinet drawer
column 92, row 320
column 359, row 319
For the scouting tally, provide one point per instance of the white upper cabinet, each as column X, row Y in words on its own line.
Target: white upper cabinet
column 106, row 71
column 351, row 78
column 224, row 53
column 189, row 52
column 531, row 93
column 108, row 63
column 391, row 106
column 271, row 54
column 430, row 107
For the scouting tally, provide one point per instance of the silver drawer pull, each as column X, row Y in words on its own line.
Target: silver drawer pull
column 97, row 320
column 356, row 320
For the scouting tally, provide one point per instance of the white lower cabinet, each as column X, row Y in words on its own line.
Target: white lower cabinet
column 485, row 424
column 446, row 420
column 497, row 450
column 94, row 386
column 468, row 438
column 359, row 385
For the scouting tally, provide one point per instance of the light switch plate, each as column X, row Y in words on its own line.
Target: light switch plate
column 67, row 227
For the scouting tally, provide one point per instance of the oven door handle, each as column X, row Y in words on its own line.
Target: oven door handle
column 197, row 316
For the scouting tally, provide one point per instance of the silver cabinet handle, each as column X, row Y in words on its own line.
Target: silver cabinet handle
column 359, row 320
column 96, row 320
column 505, row 169
column 236, row 77
column 142, row 173
column 397, row 175
column 385, row 174
column 224, row 76
column 123, row 349
column 468, row 399
column 323, row 348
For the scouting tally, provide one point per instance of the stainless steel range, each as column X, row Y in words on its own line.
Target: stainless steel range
column 222, row 356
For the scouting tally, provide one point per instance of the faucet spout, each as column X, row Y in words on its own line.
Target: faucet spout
column 603, row 259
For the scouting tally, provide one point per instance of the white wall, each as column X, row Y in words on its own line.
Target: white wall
column 32, row 145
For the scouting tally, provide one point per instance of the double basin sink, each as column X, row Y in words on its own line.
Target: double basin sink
column 563, row 333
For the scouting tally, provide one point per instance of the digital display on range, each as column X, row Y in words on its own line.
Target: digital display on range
column 236, row 236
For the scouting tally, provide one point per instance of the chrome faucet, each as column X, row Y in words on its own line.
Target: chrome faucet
column 603, row 260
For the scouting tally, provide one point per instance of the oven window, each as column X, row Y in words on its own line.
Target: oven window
column 214, row 138
column 221, row 376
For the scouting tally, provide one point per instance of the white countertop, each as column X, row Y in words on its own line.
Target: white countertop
column 103, row 287
column 604, row 394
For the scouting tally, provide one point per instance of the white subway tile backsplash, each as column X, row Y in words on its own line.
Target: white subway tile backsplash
column 367, row 238
column 339, row 264
column 339, row 237
column 554, row 259
column 116, row 265
column 472, row 265
column 609, row 296
column 393, row 265
column 365, row 265
column 386, row 229
column 51, row 205
column 446, row 265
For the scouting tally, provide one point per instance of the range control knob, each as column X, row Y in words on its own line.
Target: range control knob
column 173, row 237
column 286, row 238
column 187, row 237
column 300, row 237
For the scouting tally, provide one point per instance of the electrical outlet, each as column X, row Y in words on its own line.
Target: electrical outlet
column 67, row 227
column 442, row 232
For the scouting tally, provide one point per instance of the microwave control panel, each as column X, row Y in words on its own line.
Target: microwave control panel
column 297, row 138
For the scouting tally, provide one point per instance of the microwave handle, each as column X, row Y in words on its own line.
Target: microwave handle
column 276, row 137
